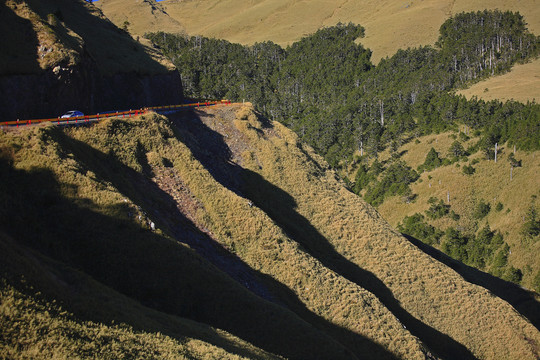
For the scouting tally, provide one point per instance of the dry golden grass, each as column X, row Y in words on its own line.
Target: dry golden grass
column 22, row 53
column 522, row 84
column 141, row 16
column 37, row 329
column 490, row 182
column 425, row 288
column 107, row 324
column 37, row 150
column 292, row 190
column 370, row 329
column 250, row 233
column 389, row 25
column 43, row 34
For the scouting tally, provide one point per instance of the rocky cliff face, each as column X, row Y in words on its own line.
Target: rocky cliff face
column 64, row 55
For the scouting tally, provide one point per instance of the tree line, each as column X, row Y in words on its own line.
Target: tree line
column 326, row 89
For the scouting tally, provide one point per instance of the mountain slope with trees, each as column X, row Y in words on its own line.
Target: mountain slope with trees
column 225, row 218
column 348, row 105
column 390, row 25
column 353, row 103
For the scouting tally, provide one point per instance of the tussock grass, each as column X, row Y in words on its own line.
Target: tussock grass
column 39, row 330
column 425, row 288
column 490, row 182
column 45, row 34
column 31, row 43
column 389, row 25
column 522, row 84
column 250, row 233
column 36, row 293
column 105, row 207
column 346, row 282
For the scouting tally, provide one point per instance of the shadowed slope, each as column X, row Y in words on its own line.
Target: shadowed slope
column 93, row 311
column 521, row 299
column 151, row 268
column 210, row 148
column 360, row 239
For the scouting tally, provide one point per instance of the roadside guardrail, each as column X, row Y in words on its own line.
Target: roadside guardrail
column 101, row 116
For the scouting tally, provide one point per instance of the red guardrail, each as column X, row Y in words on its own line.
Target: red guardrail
column 97, row 117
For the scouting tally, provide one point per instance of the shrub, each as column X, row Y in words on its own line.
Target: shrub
column 362, row 179
column 395, row 181
column 437, row 209
column 501, row 258
column 468, row 170
column 456, row 149
column 512, row 274
column 513, row 161
column 416, row 227
column 455, row 244
column 481, row 210
column 499, row 206
column 531, row 227
column 432, row 161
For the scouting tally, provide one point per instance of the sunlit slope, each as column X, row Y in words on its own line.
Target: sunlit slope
column 312, row 270
column 91, row 211
column 390, row 25
column 40, row 35
column 193, row 169
column 291, row 184
column 139, row 17
column 522, row 84
column 490, row 182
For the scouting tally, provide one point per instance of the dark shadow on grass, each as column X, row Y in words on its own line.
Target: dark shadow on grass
column 521, row 299
column 281, row 207
column 156, row 271
column 19, row 44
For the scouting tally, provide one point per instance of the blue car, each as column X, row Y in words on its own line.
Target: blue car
column 72, row 113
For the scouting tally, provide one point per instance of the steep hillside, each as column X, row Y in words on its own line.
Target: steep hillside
column 506, row 189
column 99, row 323
column 64, row 55
column 522, row 83
column 226, row 219
column 389, row 25
column 140, row 17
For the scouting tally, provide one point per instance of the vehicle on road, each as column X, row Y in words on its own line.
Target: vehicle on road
column 72, row 113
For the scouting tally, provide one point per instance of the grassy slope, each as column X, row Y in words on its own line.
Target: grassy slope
column 389, row 26
column 142, row 16
column 316, row 246
column 293, row 186
column 520, row 84
column 34, row 325
column 87, row 208
column 491, row 183
column 252, row 234
column 57, row 32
